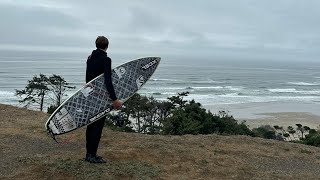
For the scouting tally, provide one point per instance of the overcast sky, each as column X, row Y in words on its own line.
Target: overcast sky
column 280, row 29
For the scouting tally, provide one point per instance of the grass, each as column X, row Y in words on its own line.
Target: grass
column 305, row 151
column 27, row 153
column 84, row 170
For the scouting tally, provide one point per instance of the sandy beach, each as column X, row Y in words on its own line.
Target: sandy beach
column 285, row 119
column 276, row 113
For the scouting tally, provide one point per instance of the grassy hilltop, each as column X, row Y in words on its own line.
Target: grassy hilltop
column 28, row 153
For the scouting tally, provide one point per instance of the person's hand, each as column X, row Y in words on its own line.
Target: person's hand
column 117, row 104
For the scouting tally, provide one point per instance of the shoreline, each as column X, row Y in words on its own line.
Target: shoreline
column 276, row 113
column 285, row 119
column 257, row 114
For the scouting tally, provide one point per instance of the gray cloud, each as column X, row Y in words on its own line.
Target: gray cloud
column 269, row 28
column 34, row 25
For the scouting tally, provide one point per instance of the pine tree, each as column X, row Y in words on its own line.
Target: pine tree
column 34, row 92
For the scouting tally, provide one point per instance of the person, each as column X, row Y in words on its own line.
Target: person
column 97, row 63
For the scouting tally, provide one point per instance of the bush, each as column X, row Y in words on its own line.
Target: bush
column 193, row 119
column 265, row 131
column 185, row 121
column 118, row 123
column 312, row 139
column 175, row 116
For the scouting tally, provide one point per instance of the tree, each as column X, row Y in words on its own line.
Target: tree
column 302, row 129
column 287, row 135
column 191, row 118
column 58, row 86
column 177, row 101
column 41, row 88
column 151, row 123
column 312, row 131
column 313, row 140
column 163, row 111
column 147, row 113
column 291, row 131
column 280, row 133
column 186, row 117
column 118, row 122
column 176, row 116
column 306, row 129
column 135, row 108
column 34, row 92
column 265, row 131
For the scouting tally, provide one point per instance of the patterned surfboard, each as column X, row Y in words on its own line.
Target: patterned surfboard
column 92, row 101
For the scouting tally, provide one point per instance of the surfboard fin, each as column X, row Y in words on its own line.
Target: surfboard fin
column 49, row 132
column 54, row 138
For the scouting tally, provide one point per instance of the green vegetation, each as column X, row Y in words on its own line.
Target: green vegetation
column 42, row 88
column 58, row 87
column 34, row 92
column 300, row 134
column 265, row 131
column 175, row 116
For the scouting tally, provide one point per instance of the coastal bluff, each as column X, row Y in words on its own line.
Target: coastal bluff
column 28, row 153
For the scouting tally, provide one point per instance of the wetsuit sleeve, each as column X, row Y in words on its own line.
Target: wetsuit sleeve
column 108, row 80
column 87, row 73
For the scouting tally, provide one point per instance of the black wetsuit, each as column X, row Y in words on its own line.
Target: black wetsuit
column 98, row 62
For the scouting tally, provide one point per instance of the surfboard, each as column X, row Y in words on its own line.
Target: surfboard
column 92, row 101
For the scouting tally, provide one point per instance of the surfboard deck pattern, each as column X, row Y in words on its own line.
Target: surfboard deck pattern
column 92, row 101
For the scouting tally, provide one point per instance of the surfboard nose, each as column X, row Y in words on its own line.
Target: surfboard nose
column 151, row 62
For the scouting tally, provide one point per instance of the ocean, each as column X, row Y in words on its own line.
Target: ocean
column 209, row 81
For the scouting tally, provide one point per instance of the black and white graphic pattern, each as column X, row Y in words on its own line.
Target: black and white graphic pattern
column 92, row 101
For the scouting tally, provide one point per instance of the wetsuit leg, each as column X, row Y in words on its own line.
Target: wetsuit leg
column 93, row 135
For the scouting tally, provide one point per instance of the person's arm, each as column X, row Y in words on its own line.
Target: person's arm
column 108, row 80
column 87, row 73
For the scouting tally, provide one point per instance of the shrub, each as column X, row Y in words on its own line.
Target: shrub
column 265, row 131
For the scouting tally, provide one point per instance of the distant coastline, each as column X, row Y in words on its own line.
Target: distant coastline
column 273, row 113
